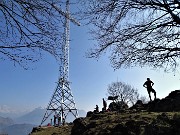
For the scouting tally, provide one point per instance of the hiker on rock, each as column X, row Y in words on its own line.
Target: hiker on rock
column 104, row 105
column 148, row 84
column 96, row 109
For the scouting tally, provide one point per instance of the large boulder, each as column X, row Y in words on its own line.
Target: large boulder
column 171, row 103
column 89, row 114
column 168, row 104
column 118, row 106
column 138, row 106
column 79, row 127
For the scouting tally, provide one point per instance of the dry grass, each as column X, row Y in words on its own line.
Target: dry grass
column 106, row 122
column 62, row 130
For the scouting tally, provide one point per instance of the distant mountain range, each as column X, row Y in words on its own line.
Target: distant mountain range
column 18, row 129
column 24, row 124
column 35, row 117
column 4, row 122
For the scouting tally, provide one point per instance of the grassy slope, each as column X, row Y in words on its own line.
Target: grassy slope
column 114, row 123
column 127, row 123
column 63, row 130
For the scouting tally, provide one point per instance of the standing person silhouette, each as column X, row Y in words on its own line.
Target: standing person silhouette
column 104, row 105
column 148, row 84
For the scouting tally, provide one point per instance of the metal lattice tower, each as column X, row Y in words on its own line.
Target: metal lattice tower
column 62, row 101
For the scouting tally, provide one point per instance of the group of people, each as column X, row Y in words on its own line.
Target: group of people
column 57, row 120
column 104, row 107
column 148, row 85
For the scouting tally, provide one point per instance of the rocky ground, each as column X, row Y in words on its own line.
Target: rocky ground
column 137, row 123
column 160, row 117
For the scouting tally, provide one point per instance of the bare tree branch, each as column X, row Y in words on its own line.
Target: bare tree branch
column 125, row 92
column 137, row 33
column 30, row 27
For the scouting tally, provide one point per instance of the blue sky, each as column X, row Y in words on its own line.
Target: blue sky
column 23, row 90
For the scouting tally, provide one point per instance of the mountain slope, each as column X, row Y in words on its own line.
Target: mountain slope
column 18, row 129
column 4, row 122
column 35, row 117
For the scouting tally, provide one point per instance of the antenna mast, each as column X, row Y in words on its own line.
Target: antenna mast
column 62, row 101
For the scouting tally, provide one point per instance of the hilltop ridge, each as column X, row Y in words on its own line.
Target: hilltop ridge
column 159, row 117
